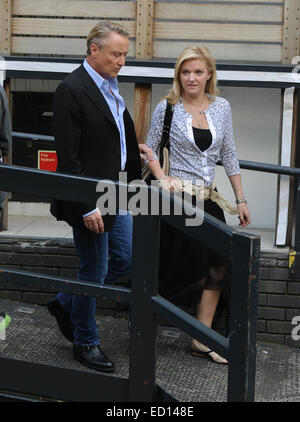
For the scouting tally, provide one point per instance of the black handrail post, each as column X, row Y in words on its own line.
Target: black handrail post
column 297, row 225
column 143, row 320
column 294, row 260
column 242, row 337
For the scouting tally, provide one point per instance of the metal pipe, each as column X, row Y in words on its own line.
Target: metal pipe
column 248, row 165
column 33, row 136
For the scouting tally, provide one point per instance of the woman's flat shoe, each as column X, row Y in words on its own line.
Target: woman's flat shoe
column 209, row 354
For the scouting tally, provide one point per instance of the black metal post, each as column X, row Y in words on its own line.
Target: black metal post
column 294, row 258
column 297, row 226
column 242, row 337
column 143, row 319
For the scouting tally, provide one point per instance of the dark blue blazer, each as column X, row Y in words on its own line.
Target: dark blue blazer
column 87, row 141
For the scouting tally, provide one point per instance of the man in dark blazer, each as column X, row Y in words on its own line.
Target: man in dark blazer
column 94, row 137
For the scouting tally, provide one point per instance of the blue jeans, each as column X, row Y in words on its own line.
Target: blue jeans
column 93, row 250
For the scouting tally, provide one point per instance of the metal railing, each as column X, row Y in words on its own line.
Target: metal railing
column 239, row 347
column 294, row 260
column 247, row 165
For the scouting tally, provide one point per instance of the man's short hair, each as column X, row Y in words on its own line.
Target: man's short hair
column 101, row 31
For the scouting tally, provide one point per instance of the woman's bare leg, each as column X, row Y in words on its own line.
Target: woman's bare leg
column 207, row 307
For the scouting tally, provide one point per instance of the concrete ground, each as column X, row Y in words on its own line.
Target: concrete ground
column 44, row 225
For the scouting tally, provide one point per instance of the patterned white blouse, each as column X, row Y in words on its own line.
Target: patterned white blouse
column 186, row 159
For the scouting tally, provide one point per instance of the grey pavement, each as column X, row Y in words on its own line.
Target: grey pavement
column 36, row 221
column 33, row 336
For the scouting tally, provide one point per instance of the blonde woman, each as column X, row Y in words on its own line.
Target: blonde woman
column 201, row 133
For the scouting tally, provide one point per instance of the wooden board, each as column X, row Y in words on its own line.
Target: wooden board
column 144, row 29
column 222, row 12
column 217, row 31
column 5, row 26
column 89, row 8
column 291, row 30
column 66, row 46
column 245, row 1
column 222, row 51
column 60, row 27
column 142, row 111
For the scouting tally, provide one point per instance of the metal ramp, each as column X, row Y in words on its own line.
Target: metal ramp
column 33, row 336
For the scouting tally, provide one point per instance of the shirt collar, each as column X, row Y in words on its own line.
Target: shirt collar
column 98, row 78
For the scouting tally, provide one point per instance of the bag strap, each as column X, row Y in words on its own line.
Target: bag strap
column 165, row 140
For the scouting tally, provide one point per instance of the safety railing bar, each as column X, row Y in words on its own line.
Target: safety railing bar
column 16, row 396
column 244, row 164
column 47, row 282
column 269, row 168
column 48, row 184
column 191, row 325
column 66, row 187
column 33, row 136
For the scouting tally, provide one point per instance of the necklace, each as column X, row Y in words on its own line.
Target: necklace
column 201, row 112
column 199, row 119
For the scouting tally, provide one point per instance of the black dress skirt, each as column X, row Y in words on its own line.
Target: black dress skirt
column 184, row 263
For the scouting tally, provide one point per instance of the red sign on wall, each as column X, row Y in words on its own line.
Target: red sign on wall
column 47, row 160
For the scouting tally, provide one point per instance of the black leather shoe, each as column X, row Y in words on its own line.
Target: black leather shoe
column 93, row 357
column 62, row 318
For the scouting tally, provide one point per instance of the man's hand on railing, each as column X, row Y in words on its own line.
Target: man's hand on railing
column 146, row 153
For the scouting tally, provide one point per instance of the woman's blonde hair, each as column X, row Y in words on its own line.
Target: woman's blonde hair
column 194, row 52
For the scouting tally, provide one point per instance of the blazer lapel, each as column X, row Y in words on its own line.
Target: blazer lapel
column 95, row 94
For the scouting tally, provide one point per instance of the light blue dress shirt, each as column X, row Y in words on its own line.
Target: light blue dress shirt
column 104, row 85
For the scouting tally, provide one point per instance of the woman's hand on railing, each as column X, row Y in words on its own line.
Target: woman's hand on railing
column 244, row 214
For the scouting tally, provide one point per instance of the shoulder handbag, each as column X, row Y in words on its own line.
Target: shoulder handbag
column 163, row 147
